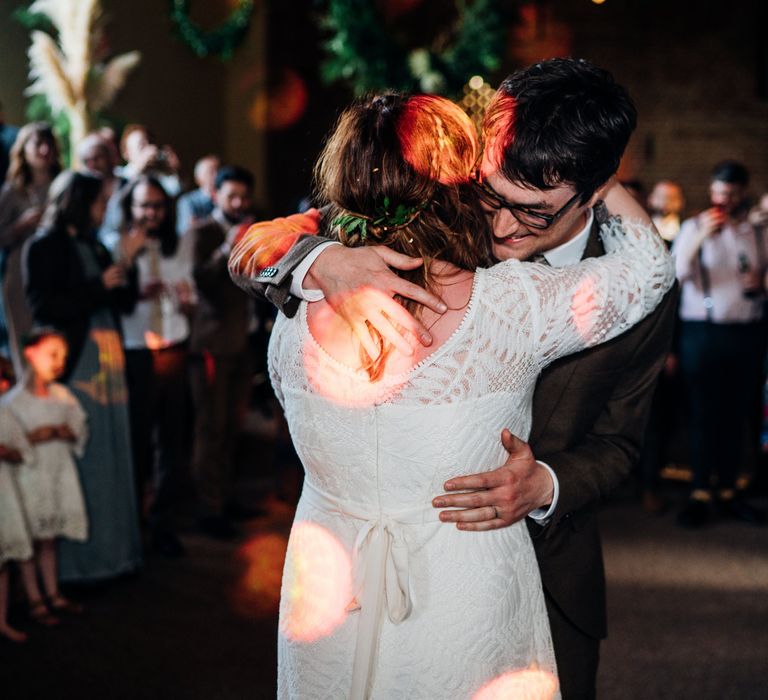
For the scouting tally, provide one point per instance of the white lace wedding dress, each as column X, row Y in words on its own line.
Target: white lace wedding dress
column 379, row 598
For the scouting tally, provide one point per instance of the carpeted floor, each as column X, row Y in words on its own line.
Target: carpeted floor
column 688, row 620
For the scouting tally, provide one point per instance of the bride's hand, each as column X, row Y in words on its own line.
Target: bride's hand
column 500, row 497
column 359, row 285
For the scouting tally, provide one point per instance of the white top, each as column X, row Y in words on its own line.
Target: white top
column 411, row 603
column 720, row 255
column 158, row 323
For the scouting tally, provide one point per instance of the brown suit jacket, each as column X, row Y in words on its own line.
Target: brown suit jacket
column 589, row 417
column 222, row 314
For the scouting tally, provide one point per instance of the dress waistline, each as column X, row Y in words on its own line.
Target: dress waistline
column 380, row 572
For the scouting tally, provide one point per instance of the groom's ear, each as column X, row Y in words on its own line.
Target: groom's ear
column 599, row 193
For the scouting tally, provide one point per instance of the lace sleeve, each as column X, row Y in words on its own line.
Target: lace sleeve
column 579, row 306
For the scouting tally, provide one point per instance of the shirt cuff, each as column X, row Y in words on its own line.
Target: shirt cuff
column 542, row 515
column 300, row 272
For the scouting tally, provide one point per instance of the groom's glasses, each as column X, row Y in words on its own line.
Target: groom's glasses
column 526, row 216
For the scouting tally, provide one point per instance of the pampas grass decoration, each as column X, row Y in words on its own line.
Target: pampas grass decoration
column 69, row 75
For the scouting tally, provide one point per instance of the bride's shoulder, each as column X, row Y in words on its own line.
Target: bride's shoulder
column 502, row 273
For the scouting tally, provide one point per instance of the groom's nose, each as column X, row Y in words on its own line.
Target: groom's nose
column 504, row 224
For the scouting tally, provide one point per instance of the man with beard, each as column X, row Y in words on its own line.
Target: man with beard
column 219, row 348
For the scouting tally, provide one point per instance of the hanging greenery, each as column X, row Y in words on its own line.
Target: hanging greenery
column 221, row 41
column 362, row 53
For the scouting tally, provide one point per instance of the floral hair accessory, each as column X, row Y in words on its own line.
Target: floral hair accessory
column 385, row 216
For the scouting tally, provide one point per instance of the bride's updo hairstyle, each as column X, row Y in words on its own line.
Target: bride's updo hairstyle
column 395, row 171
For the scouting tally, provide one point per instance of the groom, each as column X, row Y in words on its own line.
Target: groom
column 554, row 135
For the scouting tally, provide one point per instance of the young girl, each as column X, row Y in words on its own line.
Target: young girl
column 15, row 542
column 55, row 425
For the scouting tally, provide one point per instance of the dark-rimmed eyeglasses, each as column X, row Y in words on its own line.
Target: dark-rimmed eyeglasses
column 527, row 217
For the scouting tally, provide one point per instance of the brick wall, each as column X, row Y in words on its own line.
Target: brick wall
column 694, row 70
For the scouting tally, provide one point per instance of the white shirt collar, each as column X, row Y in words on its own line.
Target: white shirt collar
column 571, row 252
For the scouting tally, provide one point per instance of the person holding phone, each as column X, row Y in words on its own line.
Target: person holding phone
column 721, row 261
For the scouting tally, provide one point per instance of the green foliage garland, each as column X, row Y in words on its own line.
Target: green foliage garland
column 221, row 41
column 361, row 53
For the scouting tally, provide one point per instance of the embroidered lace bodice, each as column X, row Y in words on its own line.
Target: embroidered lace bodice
column 457, row 610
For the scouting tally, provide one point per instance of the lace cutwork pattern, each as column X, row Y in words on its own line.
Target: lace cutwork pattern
column 478, row 607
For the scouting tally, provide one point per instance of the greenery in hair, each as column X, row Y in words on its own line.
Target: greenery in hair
column 385, row 216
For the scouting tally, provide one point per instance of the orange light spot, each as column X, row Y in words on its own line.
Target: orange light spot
column 264, row 243
column 529, row 684
column 438, row 139
column 257, row 592
column 155, row 341
column 583, row 308
column 281, row 107
column 317, row 586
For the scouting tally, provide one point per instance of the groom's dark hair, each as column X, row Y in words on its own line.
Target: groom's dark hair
column 561, row 121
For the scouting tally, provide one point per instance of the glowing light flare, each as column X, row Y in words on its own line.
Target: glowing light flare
column 583, row 307
column 498, row 130
column 528, row 684
column 598, row 2
column 438, row 139
column 108, row 384
column 344, row 388
column 264, row 243
column 257, row 591
column 155, row 341
column 282, row 106
column 476, row 82
column 317, row 586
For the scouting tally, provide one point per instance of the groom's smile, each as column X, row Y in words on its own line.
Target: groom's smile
column 512, row 238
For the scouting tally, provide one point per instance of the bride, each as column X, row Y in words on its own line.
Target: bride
column 379, row 598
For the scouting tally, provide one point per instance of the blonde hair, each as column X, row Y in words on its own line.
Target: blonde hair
column 416, row 152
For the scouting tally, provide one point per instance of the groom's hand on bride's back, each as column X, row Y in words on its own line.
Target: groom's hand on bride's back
column 500, row 497
column 359, row 284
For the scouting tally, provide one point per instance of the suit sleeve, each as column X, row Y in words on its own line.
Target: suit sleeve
column 263, row 260
column 591, row 469
column 209, row 267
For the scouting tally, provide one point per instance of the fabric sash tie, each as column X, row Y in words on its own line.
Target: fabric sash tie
column 380, row 572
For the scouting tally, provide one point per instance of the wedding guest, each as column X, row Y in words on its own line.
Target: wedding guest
column 721, row 260
column 193, row 207
column 34, row 163
column 144, row 157
column 156, row 334
column 96, row 156
column 74, row 286
column 49, row 487
column 666, row 203
column 220, row 367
